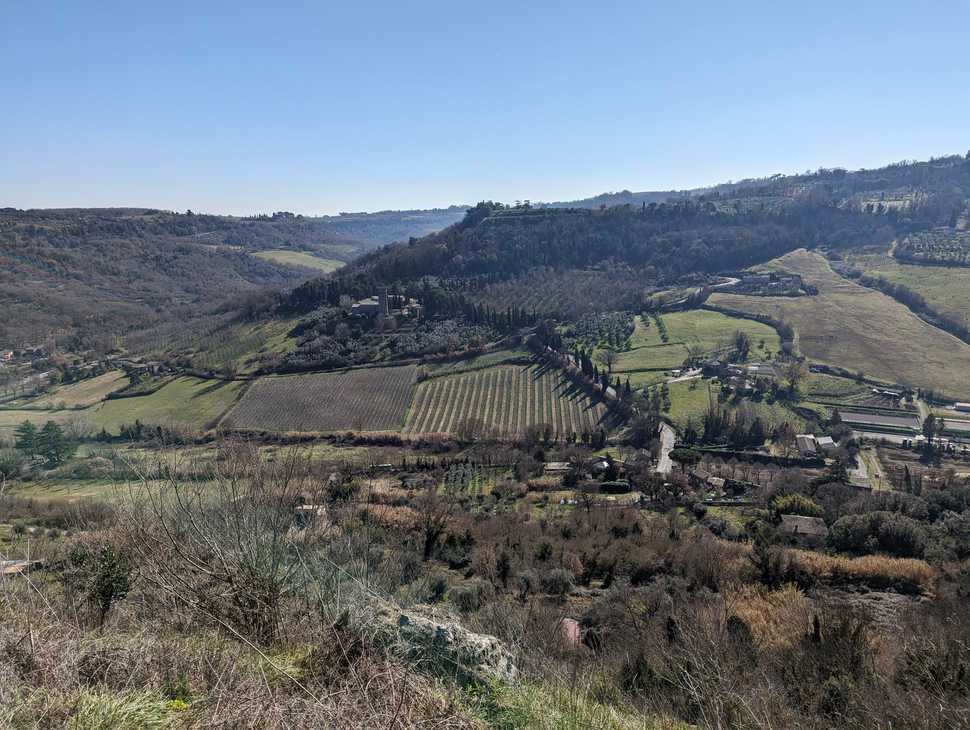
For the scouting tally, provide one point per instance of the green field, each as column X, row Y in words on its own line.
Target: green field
column 691, row 399
column 300, row 258
column 859, row 329
column 945, row 288
column 185, row 402
column 819, row 385
column 10, row 419
column 697, row 332
column 84, row 393
column 505, row 400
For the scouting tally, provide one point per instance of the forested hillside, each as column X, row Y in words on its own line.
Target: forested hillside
column 662, row 243
column 92, row 274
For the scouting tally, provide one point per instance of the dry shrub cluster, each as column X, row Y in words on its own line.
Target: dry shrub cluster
column 876, row 571
column 776, row 618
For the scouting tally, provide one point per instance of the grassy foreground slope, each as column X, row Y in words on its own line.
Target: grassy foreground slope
column 505, row 400
column 185, row 402
column 367, row 399
column 849, row 326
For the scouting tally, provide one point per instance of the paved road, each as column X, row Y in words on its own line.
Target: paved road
column 860, row 474
column 668, row 437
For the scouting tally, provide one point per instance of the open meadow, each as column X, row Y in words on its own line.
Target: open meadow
column 695, row 332
column 82, row 394
column 858, row 329
column 945, row 288
column 300, row 258
column 366, row 399
column 503, row 399
column 691, row 399
column 184, row 403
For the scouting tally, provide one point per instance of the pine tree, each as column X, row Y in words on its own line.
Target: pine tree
column 53, row 444
column 26, row 439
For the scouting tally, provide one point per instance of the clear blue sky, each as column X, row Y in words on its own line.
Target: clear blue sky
column 320, row 107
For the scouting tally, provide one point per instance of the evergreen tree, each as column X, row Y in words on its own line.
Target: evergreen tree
column 53, row 444
column 26, row 439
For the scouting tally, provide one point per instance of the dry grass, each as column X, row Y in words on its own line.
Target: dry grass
column 876, row 571
column 777, row 619
column 130, row 678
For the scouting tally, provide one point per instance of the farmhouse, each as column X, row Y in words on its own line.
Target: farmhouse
column 761, row 370
column 367, row 307
column 770, row 284
column 807, row 446
column 386, row 304
column 804, row 530
column 826, row 444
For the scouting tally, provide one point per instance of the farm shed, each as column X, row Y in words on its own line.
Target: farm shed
column 804, row 530
column 557, row 467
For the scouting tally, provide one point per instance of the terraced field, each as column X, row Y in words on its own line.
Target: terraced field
column 859, row 329
column 367, row 399
column 506, row 400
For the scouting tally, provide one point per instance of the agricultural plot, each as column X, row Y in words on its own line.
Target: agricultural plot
column 504, row 400
column 608, row 329
column 300, row 258
column 691, row 399
column 242, row 345
column 84, row 393
column 471, row 479
column 943, row 246
column 10, row 419
column 478, row 362
column 367, row 399
column 870, row 420
column 858, row 329
column 183, row 403
column 945, row 288
column 830, row 387
column 692, row 333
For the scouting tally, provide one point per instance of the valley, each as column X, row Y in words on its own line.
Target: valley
column 595, row 448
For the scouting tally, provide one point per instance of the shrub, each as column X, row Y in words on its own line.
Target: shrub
column 797, row 504
column 469, row 596
column 879, row 531
column 557, row 582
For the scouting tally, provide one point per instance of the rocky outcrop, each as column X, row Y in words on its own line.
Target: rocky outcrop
column 441, row 645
